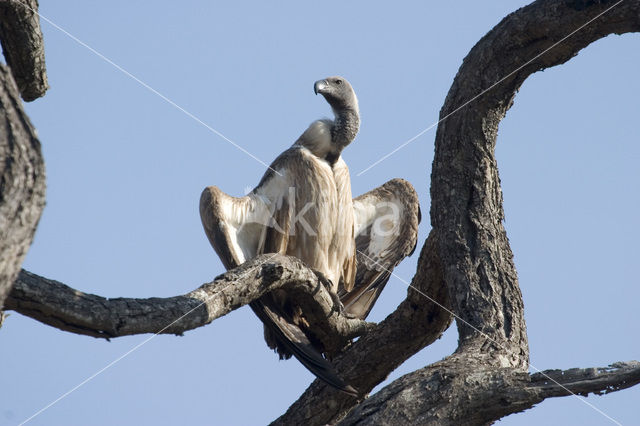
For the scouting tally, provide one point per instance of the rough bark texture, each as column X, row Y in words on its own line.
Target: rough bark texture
column 483, row 395
column 466, row 214
column 467, row 211
column 60, row 306
column 465, row 266
column 23, row 46
column 22, row 182
column 417, row 322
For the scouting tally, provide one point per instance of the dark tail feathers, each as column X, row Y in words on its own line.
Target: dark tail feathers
column 299, row 345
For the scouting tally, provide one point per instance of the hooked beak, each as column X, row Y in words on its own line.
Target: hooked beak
column 320, row 86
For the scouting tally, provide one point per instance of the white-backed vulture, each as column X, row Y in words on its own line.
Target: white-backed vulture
column 303, row 207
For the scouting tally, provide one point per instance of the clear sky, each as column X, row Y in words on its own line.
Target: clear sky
column 125, row 170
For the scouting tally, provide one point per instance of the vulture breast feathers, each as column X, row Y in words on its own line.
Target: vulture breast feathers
column 303, row 207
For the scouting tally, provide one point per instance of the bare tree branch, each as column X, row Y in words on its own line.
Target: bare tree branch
column 60, row 306
column 366, row 363
column 467, row 211
column 417, row 322
column 583, row 381
column 23, row 46
column 482, row 396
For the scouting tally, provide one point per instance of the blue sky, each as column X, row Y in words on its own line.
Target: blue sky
column 125, row 170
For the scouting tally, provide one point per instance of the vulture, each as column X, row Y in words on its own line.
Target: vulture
column 303, row 207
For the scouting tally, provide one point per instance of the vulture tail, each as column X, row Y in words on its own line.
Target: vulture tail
column 296, row 342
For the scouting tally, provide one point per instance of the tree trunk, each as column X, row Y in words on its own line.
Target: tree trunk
column 22, row 183
column 486, row 378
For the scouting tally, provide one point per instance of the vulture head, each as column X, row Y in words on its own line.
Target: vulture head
column 338, row 92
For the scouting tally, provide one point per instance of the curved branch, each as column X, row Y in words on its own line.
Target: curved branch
column 486, row 378
column 60, row 306
column 22, row 182
column 417, row 322
column 467, row 211
column 489, row 394
column 366, row 363
column 23, row 46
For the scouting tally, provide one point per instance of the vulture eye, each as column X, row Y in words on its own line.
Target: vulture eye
column 338, row 82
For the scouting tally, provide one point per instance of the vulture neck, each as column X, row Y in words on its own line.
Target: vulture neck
column 344, row 130
column 326, row 139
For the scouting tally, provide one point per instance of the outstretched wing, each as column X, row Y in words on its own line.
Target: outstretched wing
column 242, row 228
column 386, row 220
column 234, row 226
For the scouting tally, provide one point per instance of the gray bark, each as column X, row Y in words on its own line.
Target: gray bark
column 60, row 306
column 417, row 322
column 482, row 382
column 23, row 47
column 22, row 183
column 481, row 395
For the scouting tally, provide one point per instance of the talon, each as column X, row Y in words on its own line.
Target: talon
column 337, row 303
column 323, row 279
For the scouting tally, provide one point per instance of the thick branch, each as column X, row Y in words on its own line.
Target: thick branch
column 417, row 322
column 482, row 395
column 58, row 305
column 22, row 182
column 23, row 46
column 467, row 211
column 486, row 378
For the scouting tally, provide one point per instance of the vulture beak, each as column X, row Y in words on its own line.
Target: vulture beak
column 320, row 86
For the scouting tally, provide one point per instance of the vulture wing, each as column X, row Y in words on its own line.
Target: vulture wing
column 386, row 222
column 242, row 228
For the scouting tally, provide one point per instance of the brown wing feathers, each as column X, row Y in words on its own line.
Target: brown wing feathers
column 281, row 331
column 381, row 246
column 356, row 252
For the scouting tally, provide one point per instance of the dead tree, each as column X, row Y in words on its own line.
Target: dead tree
column 465, row 266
